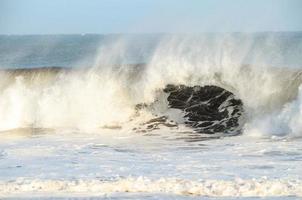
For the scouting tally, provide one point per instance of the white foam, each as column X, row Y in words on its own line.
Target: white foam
column 286, row 121
column 214, row 188
column 77, row 100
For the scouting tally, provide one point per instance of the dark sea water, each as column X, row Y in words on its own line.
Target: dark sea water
column 67, row 50
column 19, row 51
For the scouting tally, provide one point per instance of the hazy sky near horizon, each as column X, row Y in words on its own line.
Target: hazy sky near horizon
column 148, row 16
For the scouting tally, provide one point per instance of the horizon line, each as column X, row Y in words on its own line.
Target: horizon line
column 149, row 33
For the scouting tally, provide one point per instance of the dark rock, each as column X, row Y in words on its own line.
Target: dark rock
column 208, row 109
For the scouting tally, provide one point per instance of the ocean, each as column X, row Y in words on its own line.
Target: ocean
column 151, row 116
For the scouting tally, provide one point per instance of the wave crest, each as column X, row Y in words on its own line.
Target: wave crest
column 107, row 94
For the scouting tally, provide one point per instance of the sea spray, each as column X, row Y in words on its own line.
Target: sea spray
column 107, row 93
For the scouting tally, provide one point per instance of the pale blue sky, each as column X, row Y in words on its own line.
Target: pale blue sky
column 148, row 16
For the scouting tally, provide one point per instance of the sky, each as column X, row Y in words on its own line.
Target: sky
column 148, row 16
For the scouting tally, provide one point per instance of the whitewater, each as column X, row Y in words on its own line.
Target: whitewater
column 151, row 116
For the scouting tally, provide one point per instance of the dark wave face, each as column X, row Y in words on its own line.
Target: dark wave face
column 208, row 109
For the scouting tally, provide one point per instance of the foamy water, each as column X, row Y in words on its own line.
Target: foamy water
column 164, row 163
column 212, row 188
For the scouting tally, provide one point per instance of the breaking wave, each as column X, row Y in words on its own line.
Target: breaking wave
column 210, row 188
column 126, row 96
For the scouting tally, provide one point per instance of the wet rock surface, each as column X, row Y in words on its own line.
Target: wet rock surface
column 207, row 109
